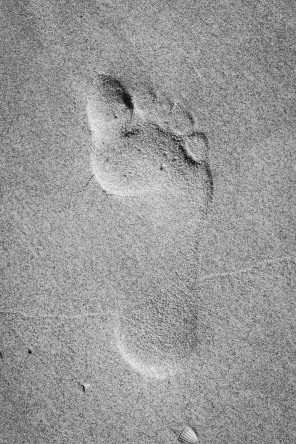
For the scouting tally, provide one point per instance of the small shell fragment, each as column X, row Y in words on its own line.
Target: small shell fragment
column 85, row 387
column 188, row 436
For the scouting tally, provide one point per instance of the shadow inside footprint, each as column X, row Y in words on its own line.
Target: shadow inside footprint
column 112, row 90
column 135, row 158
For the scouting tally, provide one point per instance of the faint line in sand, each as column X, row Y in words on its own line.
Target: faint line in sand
column 244, row 270
column 95, row 315
column 53, row 316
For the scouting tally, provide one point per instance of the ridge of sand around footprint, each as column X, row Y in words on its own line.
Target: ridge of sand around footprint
column 166, row 175
column 147, row 368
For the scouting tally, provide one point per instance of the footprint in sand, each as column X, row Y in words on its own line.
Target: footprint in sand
column 146, row 149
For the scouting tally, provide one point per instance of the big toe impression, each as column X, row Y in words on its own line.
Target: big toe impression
column 109, row 106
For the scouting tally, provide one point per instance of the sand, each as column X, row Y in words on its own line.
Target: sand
column 147, row 222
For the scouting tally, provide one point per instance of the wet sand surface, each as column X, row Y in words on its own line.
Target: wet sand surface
column 147, row 222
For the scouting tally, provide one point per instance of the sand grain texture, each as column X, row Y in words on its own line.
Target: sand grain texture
column 147, row 222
